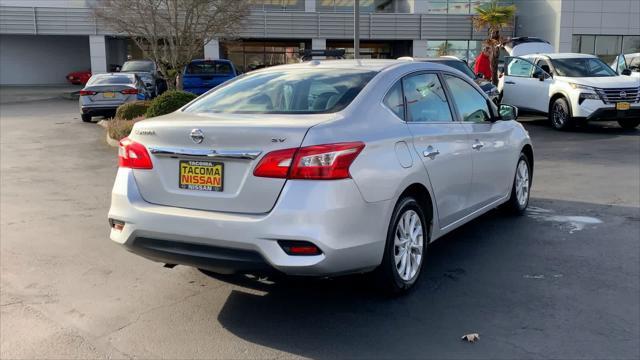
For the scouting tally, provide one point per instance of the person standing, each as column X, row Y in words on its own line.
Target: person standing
column 483, row 63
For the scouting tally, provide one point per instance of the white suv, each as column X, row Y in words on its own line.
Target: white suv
column 571, row 88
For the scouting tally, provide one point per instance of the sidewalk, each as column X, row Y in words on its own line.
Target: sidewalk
column 10, row 94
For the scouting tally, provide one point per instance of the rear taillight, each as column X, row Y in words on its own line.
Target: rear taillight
column 87, row 92
column 318, row 162
column 133, row 155
column 129, row 91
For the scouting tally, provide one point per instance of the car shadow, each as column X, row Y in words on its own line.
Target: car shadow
column 479, row 279
column 596, row 128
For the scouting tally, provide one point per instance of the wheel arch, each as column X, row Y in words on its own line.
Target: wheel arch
column 557, row 96
column 527, row 150
column 419, row 192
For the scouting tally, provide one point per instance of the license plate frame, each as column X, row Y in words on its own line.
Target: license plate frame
column 623, row 106
column 201, row 180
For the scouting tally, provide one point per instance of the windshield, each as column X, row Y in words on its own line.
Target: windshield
column 460, row 66
column 209, row 68
column 146, row 66
column 299, row 91
column 111, row 80
column 582, row 67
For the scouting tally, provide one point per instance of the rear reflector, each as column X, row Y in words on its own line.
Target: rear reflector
column 87, row 92
column 129, row 91
column 133, row 155
column 300, row 248
column 318, row 162
column 116, row 224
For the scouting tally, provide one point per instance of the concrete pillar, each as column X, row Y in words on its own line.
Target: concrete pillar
column 212, row 49
column 420, row 48
column 319, row 44
column 310, row 5
column 98, row 53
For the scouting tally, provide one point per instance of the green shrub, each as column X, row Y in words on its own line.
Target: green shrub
column 120, row 128
column 132, row 110
column 169, row 102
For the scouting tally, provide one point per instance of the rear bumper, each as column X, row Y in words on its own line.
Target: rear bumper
column 332, row 215
column 97, row 111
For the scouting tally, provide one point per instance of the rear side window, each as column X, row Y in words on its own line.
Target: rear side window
column 394, row 100
column 471, row 105
column 111, row 80
column 290, row 91
column 426, row 101
column 209, row 68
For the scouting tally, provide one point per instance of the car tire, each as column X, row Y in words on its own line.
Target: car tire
column 521, row 188
column 391, row 276
column 629, row 124
column 86, row 117
column 560, row 114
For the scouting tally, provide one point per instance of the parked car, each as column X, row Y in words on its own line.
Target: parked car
column 462, row 66
column 319, row 169
column 627, row 64
column 571, row 89
column 201, row 76
column 79, row 77
column 105, row 92
column 150, row 74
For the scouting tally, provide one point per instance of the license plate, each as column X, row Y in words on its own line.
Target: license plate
column 201, row 175
column 622, row 106
column 110, row 95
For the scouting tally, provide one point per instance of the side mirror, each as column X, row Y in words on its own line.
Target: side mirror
column 508, row 112
column 542, row 76
column 480, row 75
column 626, row 72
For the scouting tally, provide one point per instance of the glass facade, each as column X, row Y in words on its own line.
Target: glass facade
column 461, row 7
column 252, row 55
column 368, row 49
column 606, row 47
column 466, row 50
column 277, row 5
column 366, row 6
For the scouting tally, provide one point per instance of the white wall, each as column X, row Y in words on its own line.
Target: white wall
column 45, row 3
column 41, row 60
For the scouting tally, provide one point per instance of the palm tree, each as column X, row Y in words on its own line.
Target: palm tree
column 494, row 17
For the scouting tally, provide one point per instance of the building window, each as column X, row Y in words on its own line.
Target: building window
column 252, row 55
column 277, row 5
column 366, row 6
column 606, row 47
column 460, row 7
column 466, row 50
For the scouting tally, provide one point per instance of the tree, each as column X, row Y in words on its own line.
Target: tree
column 172, row 32
column 494, row 17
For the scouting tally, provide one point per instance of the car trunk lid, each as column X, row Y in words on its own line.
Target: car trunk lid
column 231, row 143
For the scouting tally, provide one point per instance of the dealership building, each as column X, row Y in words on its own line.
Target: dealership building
column 43, row 40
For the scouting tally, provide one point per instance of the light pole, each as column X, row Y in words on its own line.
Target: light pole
column 356, row 29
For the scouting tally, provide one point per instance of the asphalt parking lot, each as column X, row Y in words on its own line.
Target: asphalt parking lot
column 561, row 282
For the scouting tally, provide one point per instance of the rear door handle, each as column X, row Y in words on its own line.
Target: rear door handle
column 431, row 153
column 510, row 82
column 477, row 145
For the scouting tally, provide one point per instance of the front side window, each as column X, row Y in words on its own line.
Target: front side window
column 471, row 105
column 544, row 65
column 582, row 67
column 394, row 100
column 425, row 99
column 297, row 91
column 519, row 68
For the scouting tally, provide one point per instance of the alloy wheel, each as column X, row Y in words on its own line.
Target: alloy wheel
column 559, row 115
column 408, row 245
column 522, row 183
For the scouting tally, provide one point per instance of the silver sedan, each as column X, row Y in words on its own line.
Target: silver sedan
column 320, row 169
column 105, row 92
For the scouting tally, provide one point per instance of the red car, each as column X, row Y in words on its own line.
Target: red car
column 79, row 77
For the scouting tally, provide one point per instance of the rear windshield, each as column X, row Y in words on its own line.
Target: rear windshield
column 145, row 66
column 111, row 80
column 209, row 68
column 582, row 67
column 286, row 92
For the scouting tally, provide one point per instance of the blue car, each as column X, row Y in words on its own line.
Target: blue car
column 202, row 75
